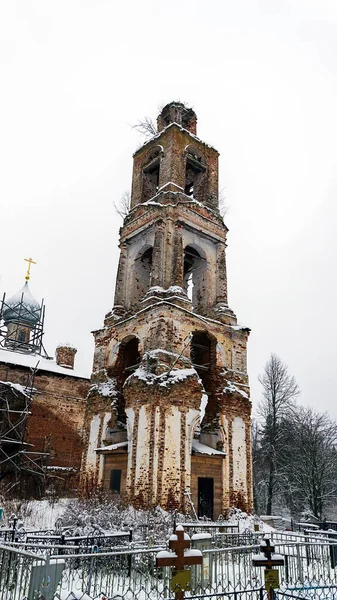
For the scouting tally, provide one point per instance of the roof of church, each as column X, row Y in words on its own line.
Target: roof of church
column 32, row 360
column 201, row 448
column 22, row 307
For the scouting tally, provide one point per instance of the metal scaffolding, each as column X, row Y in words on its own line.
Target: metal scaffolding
column 19, row 463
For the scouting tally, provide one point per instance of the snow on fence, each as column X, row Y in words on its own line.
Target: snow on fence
column 132, row 573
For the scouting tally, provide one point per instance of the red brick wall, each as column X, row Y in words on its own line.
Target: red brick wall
column 57, row 418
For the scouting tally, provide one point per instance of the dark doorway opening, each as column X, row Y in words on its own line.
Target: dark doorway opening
column 115, row 480
column 205, row 497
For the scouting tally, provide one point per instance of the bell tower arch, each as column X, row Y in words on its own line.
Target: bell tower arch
column 183, row 395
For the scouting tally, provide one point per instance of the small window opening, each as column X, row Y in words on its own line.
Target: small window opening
column 128, row 361
column 146, row 258
column 150, row 180
column 131, row 356
column 194, row 176
column 22, row 336
column 115, row 480
column 192, row 266
column 201, row 352
column 142, row 275
column 203, row 358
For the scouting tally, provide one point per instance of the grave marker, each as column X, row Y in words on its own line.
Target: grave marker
column 181, row 557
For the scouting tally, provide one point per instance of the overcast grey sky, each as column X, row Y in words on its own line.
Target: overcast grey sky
column 262, row 78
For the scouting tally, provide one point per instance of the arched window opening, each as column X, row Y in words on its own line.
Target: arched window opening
column 151, row 175
column 128, row 361
column 194, row 176
column 201, row 352
column 22, row 336
column 142, row 273
column 203, row 358
column 193, row 268
column 130, row 356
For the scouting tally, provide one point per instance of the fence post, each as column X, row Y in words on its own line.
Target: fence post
column 286, row 565
column 15, row 520
column 299, row 562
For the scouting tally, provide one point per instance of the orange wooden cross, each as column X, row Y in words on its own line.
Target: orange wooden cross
column 179, row 542
column 181, row 556
column 267, row 558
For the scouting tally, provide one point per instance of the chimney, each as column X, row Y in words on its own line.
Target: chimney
column 65, row 356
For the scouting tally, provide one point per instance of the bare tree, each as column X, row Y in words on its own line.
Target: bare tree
column 122, row 207
column 259, row 484
column 146, row 127
column 279, row 392
column 310, row 462
column 223, row 207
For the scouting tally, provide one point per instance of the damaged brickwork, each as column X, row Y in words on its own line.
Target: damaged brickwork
column 56, row 422
column 168, row 411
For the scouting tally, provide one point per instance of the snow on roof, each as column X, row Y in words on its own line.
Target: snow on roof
column 112, row 446
column 19, row 388
column 166, row 302
column 232, row 388
column 32, row 360
column 173, row 124
column 172, row 289
column 203, row 449
column 170, row 377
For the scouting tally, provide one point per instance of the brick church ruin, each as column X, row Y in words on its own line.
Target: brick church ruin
column 168, row 412
column 42, row 404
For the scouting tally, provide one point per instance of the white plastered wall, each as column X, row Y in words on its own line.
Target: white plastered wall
column 239, row 455
column 171, row 463
column 106, row 420
column 225, row 487
column 156, row 434
column 143, row 444
column 130, row 419
column 192, row 419
column 93, row 442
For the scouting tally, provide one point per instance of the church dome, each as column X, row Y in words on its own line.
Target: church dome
column 22, row 308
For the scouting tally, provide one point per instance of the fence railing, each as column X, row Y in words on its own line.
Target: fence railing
column 63, row 572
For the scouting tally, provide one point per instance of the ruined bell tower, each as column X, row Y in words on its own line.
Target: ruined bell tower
column 169, row 409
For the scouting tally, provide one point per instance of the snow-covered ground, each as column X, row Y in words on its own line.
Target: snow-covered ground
column 89, row 515
column 35, row 514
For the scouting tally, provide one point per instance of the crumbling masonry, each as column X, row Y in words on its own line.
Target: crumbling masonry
column 168, row 413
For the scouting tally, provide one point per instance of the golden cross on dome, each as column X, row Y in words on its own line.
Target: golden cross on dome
column 30, row 262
